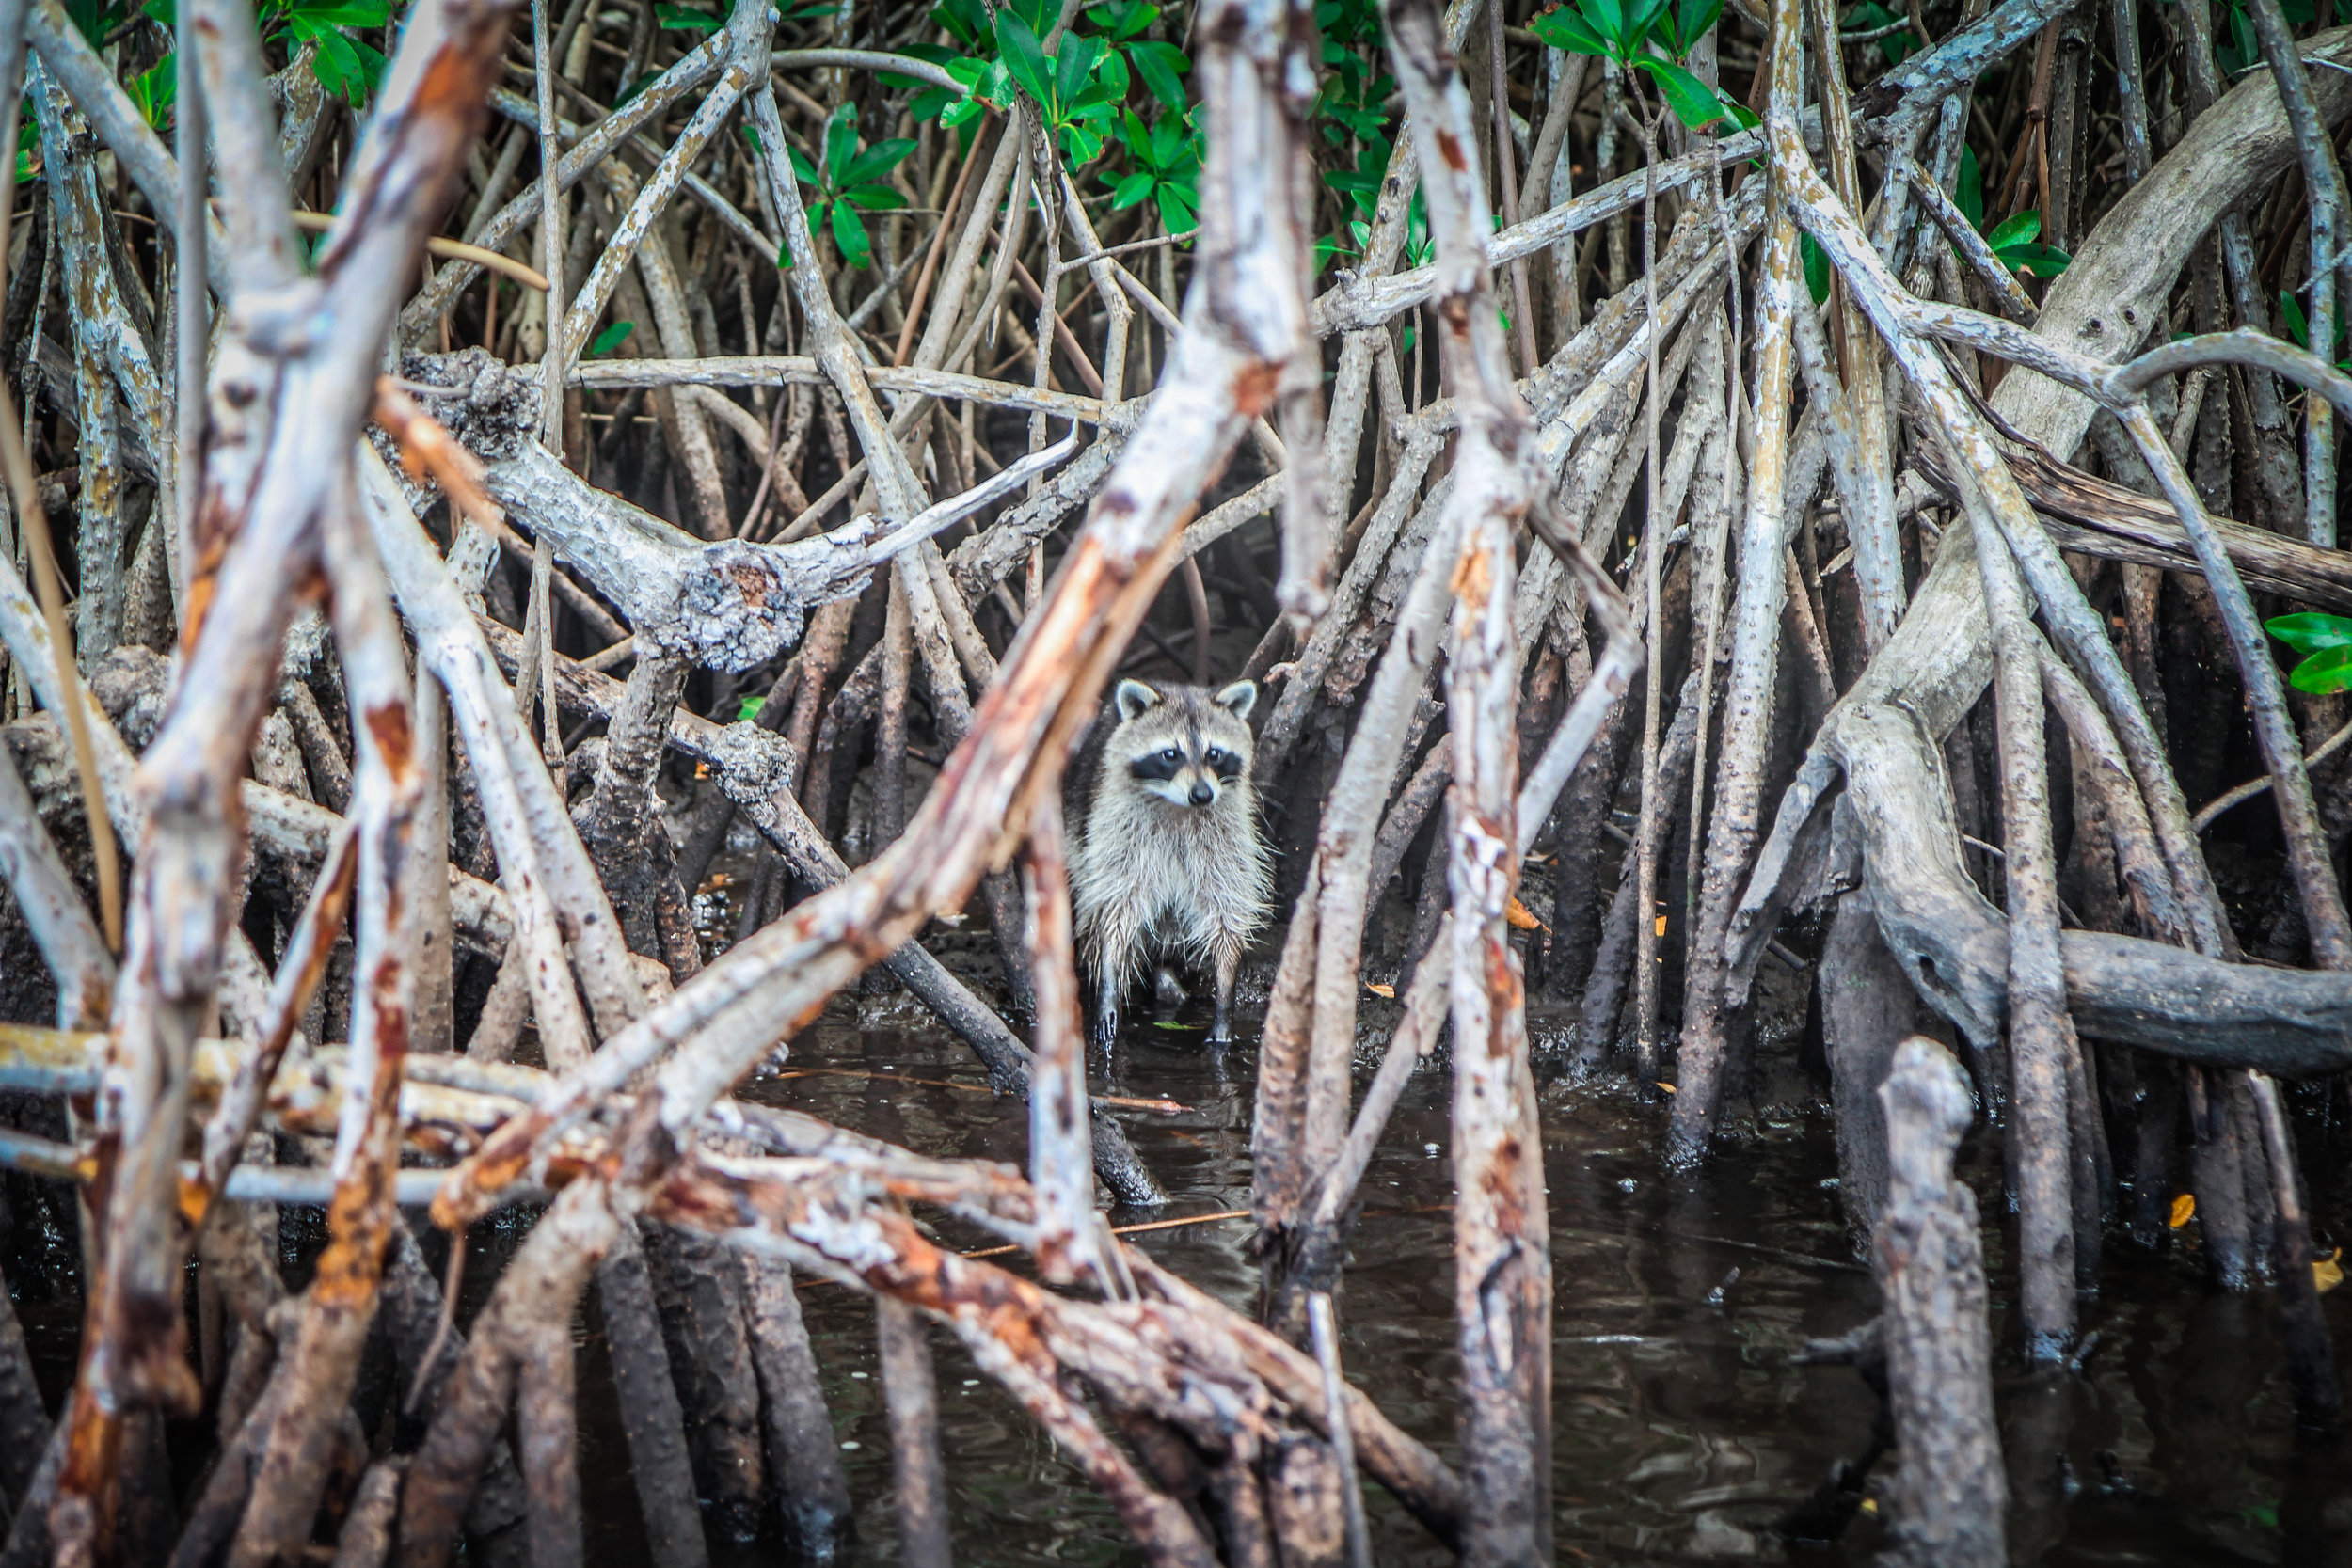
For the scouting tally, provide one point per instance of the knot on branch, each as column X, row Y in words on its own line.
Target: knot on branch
column 492, row 408
column 750, row 764
column 737, row 605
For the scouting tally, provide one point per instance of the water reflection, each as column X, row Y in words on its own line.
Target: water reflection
column 1684, row 1430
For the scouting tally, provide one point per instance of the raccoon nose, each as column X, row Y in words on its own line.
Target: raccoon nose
column 1202, row 792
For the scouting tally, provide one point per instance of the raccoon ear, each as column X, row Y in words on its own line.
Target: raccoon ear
column 1240, row 698
column 1134, row 697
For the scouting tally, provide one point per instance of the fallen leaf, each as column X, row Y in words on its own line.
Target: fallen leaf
column 1668, row 1087
column 1662, row 925
column 1523, row 918
column 2327, row 1273
column 1870, row 1505
column 2184, row 1209
column 1389, row 991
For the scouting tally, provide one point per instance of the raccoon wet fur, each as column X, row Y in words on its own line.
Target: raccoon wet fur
column 1165, row 857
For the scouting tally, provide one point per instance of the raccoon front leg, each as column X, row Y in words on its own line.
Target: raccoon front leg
column 1226, row 951
column 1106, row 1011
column 1117, row 946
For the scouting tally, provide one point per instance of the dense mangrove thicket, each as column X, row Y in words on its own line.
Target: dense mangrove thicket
column 549, row 545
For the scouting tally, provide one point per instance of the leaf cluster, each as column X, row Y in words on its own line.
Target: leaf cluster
column 346, row 66
column 1652, row 36
column 2327, row 642
column 2298, row 329
column 2234, row 44
column 1079, row 88
column 1897, row 46
column 2016, row 240
column 849, row 182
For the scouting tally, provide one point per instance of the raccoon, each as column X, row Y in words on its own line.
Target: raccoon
column 1166, row 852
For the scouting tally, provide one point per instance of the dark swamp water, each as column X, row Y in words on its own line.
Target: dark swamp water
column 1684, row 1430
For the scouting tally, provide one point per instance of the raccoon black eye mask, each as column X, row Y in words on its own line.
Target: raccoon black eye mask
column 1168, row 761
column 1161, row 765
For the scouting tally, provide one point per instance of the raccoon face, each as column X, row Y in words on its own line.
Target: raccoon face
column 1184, row 746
